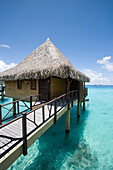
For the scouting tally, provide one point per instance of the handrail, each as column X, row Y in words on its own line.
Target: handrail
column 39, row 107
column 36, row 109
column 12, row 111
column 52, row 107
column 20, row 100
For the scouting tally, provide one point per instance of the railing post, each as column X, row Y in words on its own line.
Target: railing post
column 2, row 92
column 69, row 96
column 18, row 106
column 67, row 114
column 74, row 94
column 63, row 101
column 68, row 100
column 24, row 128
column 30, row 102
column 84, row 102
column 55, row 110
column 0, row 115
column 79, row 105
column 72, row 99
column 34, row 116
column 43, row 115
column 40, row 99
column 14, row 107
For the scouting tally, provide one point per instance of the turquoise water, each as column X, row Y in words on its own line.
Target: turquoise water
column 89, row 145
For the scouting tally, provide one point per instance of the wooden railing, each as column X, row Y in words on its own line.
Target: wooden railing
column 17, row 107
column 52, row 107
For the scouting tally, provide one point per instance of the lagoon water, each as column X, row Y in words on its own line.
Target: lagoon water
column 89, row 145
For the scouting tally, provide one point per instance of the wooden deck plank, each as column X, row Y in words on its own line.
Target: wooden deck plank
column 1, row 151
column 15, row 129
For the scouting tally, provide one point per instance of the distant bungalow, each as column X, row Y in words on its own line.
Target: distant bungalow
column 45, row 71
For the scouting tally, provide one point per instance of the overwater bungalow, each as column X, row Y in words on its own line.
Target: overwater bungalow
column 45, row 71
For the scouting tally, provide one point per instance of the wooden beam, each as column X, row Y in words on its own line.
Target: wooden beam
column 14, row 108
column 84, row 102
column 68, row 84
column 79, row 101
column 30, row 102
column 24, row 129
column 67, row 121
column 2, row 93
column 84, row 97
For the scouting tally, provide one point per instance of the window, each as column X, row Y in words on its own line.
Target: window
column 33, row 84
column 19, row 84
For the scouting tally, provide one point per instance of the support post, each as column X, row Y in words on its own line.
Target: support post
column 43, row 114
column 18, row 106
column 84, row 102
column 30, row 102
column 14, row 108
column 2, row 93
column 72, row 99
column 24, row 128
column 72, row 103
column 84, row 96
column 67, row 121
column 55, row 110
column 79, row 105
column 0, row 115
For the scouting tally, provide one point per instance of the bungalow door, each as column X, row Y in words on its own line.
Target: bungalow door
column 74, row 85
column 44, row 89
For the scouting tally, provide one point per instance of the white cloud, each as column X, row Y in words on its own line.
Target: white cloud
column 106, row 63
column 97, row 78
column 4, row 66
column 107, row 58
column 4, row 46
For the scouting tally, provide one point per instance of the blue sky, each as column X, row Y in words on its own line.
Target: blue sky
column 81, row 29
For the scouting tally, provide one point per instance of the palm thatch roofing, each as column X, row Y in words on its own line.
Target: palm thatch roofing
column 43, row 62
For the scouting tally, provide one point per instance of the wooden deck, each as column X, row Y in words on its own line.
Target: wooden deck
column 37, row 122
column 14, row 129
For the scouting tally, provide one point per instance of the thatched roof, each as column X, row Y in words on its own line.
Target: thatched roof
column 43, row 62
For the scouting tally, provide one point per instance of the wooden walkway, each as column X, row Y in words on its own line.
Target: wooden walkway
column 20, row 133
column 14, row 129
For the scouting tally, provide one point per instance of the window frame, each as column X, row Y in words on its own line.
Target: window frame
column 19, row 84
column 33, row 88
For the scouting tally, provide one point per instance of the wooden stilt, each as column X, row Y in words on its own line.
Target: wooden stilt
column 67, row 121
column 79, row 105
column 67, row 118
column 78, row 108
column 14, row 108
column 84, row 103
column 84, row 96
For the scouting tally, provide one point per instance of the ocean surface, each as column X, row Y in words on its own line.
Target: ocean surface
column 88, row 146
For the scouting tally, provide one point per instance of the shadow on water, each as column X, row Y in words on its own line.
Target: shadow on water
column 57, row 150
